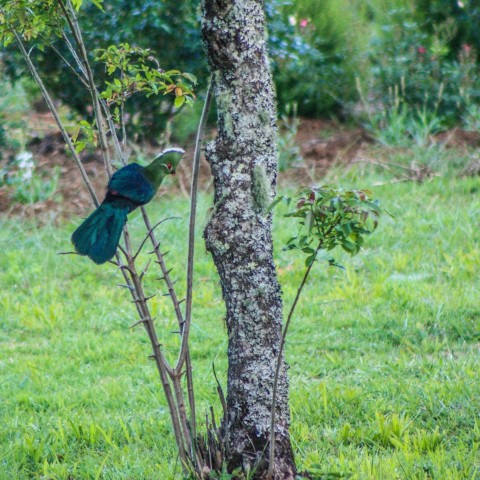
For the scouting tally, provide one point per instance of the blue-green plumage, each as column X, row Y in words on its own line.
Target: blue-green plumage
column 130, row 187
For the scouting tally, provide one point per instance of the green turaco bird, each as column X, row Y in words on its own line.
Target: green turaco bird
column 129, row 188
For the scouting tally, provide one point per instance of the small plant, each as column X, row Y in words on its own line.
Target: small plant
column 398, row 124
column 435, row 76
column 331, row 217
column 328, row 217
column 391, row 429
column 288, row 150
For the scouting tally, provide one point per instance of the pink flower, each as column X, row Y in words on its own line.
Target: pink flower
column 467, row 48
column 303, row 22
column 421, row 50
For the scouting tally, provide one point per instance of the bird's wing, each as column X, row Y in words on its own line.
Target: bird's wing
column 130, row 182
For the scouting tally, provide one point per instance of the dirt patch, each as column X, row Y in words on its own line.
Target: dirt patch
column 458, row 138
column 322, row 144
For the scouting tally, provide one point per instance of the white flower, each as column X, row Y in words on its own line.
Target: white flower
column 292, row 20
column 24, row 160
column 27, row 175
column 25, row 165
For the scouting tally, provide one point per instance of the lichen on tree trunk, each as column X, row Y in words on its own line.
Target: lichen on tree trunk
column 243, row 160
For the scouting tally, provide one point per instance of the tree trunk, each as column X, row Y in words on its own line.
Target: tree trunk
column 243, row 161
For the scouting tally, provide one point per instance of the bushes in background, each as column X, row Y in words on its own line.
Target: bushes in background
column 170, row 28
column 421, row 63
column 422, row 53
column 316, row 54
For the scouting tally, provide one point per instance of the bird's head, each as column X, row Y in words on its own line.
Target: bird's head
column 170, row 159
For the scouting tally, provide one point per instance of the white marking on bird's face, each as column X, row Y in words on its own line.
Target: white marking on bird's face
column 169, row 168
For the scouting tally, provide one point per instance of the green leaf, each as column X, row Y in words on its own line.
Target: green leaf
column 77, row 4
column 98, row 4
column 190, row 77
column 179, row 101
column 275, row 202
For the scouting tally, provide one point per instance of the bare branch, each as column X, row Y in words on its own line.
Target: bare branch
column 55, row 114
column 271, row 462
column 71, row 18
column 160, row 261
column 191, row 232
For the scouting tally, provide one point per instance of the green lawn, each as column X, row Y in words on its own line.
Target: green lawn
column 385, row 356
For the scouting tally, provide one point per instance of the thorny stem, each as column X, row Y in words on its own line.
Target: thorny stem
column 139, row 249
column 137, row 290
column 175, row 374
column 163, row 267
column 175, row 406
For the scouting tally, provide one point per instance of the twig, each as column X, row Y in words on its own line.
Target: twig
column 184, row 354
column 108, row 115
column 55, row 114
column 69, row 65
column 191, row 232
column 122, row 120
column 147, row 236
column 279, row 363
column 71, row 18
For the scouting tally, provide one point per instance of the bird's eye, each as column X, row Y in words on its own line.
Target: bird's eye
column 169, row 166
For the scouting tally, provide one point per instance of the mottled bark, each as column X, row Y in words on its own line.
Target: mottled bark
column 243, row 161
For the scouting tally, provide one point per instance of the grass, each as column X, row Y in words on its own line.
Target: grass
column 384, row 356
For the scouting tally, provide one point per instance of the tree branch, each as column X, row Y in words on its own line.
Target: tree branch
column 55, row 114
column 191, row 234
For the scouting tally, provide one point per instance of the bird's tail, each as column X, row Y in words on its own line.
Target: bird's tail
column 98, row 236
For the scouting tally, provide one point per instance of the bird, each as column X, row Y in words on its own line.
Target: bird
column 129, row 187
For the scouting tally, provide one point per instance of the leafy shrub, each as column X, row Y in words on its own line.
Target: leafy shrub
column 425, row 70
column 316, row 54
column 427, row 49
column 169, row 28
